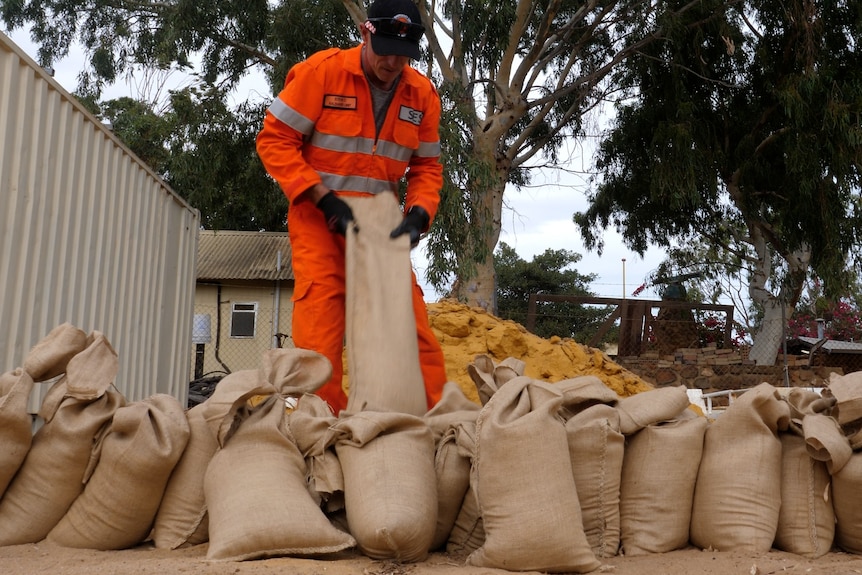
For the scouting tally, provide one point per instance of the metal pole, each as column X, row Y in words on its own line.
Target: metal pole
column 784, row 339
column 624, row 278
column 276, row 308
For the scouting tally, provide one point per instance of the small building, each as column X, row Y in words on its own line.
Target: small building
column 831, row 352
column 242, row 301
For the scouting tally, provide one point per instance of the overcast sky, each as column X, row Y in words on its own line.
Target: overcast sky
column 534, row 219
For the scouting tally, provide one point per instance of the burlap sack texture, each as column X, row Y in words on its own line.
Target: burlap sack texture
column 847, row 501
column 659, row 473
column 846, row 472
column 814, row 448
column 824, row 447
column 595, row 443
column 120, row 499
column 596, row 448
column 182, row 519
column 46, row 360
column 452, row 462
column 267, row 510
column 380, row 335
column 50, row 356
column 488, row 375
column 467, row 533
column 76, row 412
column 453, row 408
column 390, row 492
column 530, row 522
column 643, row 409
column 737, row 496
column 309, row 424
column 845, row 389
column 16, row 425
column 806, row 519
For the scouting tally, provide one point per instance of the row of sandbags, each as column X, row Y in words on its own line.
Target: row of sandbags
column 779, row 468
column 94, row 473
column 548, row 477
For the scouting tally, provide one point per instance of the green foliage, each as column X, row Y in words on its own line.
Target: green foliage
column 228, row 36
column 550, row 273
column 732, row 128
column 205, row 152
column 729, row 116
column 214, row 163
column 298, row 29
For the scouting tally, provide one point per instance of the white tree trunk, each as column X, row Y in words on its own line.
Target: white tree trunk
column 481, row 290
column 768, row 340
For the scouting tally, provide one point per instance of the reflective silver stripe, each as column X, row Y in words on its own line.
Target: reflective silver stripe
column 357, row 145
column 291, row 117
column 357, row 183
column 428, row 149
column 346, row 144
column 393, row 151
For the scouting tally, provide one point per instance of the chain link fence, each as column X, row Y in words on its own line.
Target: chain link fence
column 668, row 329
column 232, row 328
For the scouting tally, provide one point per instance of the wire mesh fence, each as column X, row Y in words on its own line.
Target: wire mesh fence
column 669, row 329
column 232, row 328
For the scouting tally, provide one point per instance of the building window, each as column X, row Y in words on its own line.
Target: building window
column 243, row 318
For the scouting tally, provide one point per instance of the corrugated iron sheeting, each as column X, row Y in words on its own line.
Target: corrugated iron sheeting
column 237, row 255
column 88, row 235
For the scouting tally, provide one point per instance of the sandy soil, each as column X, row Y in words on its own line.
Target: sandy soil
column 46, row 559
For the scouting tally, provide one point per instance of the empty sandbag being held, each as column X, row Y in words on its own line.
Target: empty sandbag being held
column 381, row 337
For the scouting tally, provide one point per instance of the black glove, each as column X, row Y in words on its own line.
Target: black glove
column 336, row 211
column 414, row 223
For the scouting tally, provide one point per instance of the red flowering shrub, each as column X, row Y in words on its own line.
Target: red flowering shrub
column 843, row 322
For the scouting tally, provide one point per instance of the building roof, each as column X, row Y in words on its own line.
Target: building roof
column 828, row 346
column 233, row 255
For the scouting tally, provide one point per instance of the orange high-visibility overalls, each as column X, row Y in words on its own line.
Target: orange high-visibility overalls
column 321, row 129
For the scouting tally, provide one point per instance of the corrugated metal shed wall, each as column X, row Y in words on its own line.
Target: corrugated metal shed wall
column 90, row 236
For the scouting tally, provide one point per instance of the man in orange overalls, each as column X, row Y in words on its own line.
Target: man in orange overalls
column 353, row 122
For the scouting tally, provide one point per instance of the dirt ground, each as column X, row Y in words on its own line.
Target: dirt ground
column 145, row 560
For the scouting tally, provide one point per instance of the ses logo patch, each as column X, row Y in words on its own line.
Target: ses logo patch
column 410, row 115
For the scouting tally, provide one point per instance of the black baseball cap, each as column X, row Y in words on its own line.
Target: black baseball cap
column 396, row 28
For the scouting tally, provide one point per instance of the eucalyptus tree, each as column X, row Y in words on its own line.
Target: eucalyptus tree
column 552, row 272
column 743, row 129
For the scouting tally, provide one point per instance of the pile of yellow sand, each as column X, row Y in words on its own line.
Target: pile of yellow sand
column 466, row 332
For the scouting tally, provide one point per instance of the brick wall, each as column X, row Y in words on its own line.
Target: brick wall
column 712, row 369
